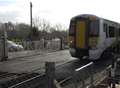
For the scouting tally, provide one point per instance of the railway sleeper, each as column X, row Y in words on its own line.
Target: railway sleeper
column 7, row 82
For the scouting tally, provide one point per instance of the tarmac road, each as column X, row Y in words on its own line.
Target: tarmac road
column 33, row 63
column 36, row 63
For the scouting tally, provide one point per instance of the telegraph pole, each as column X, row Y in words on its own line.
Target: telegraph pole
column 31, row 15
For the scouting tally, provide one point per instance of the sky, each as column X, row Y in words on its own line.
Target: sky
column 57, row 11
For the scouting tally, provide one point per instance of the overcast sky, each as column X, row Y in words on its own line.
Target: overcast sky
column 58, row 11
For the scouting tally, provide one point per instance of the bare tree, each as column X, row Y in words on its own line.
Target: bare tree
column 42, row 24
column 43, row 27
column 34, row 34
column 23, row 30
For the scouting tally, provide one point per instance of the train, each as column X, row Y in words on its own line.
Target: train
column 92, row 37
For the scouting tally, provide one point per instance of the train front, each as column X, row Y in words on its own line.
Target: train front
column 83, row 35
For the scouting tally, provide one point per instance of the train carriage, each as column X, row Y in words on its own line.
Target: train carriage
column 92, row 36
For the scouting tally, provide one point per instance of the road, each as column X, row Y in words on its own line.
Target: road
column 67, row 70
column 33, row 63
column 65, row 65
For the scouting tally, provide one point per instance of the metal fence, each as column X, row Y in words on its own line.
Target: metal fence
column 42, row 44
column 86, row 77
column 81, row 77
column 90, row 76
column 81, row 74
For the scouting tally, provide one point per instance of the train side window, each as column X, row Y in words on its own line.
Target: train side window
column 105, row 29
column 111, row 31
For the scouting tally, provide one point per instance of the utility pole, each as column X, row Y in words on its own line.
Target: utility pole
column 31, row 15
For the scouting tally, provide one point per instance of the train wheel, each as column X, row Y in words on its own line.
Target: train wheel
column 76, row 55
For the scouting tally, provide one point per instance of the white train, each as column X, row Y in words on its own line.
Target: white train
column 93, row 37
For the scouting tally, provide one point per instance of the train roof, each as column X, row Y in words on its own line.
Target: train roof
column 91, row 16
column 86, row 16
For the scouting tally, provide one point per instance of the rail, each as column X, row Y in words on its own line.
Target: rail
column 86, row 79
column 26, row 82
column 79, row 79
column 49, row 72
column 83, row 77
column 78, row 69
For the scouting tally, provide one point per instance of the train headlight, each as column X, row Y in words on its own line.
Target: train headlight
column 71, row 41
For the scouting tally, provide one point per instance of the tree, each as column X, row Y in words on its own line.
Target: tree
column 17, row 31
column 23, row 30
column 10, row 28
column 60, row 31
column 41, row 24
column 34, row 34
column 43, row 27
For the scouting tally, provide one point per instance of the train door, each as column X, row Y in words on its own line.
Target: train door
column 82, row 34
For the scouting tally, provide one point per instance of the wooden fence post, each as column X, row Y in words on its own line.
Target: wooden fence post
column 61, row 42
column 50, row 74
column 4, row 48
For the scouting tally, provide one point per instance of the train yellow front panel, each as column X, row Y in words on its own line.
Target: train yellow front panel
column 80, row 34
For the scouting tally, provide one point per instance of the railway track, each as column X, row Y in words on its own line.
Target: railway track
column 22, row 80
column 13, row 77
column 9, row 79
column 5, row 76
column 63, row 75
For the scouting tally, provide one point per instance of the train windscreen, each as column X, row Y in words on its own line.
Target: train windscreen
column 94, row 28
column 72, row 28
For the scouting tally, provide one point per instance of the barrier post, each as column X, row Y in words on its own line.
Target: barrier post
column 109, row 77
column 61, row 42
column 91, row 76
column 50, row 74
column 4, row 48
column 114, row 63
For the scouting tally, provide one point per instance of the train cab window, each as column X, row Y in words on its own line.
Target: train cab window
column 111, row 31
column 72, row 28
column 94, row 28
column 105, row 29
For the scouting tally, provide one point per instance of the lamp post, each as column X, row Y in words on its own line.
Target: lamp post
column 31, row 15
